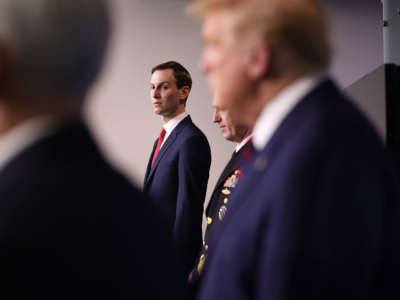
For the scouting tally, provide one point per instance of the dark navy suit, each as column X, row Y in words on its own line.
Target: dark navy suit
column 71, row 227
column 177, row 183
column 317, row 216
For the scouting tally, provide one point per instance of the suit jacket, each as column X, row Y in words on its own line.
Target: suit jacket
column 177, row 184
column 217, row 208
column 317, row 217
column 71, row 227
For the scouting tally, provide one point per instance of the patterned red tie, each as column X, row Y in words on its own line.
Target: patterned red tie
column 160, row 140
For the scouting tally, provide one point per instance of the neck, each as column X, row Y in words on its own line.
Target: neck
column 166, row 119
column 14, row 115
column 248, row 133
column 9, row 121
column 242, row 134
column 242, row 137
column 265, row 92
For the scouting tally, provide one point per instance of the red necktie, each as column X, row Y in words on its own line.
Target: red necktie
column 160, row 140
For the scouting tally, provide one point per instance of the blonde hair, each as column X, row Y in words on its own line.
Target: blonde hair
column 295, row 30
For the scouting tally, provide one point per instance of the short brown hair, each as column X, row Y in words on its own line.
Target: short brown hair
column 182, row 76
column 296, row 30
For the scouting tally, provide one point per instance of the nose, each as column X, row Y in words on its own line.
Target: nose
column 216, row 116
column 204, row 65
column 155, row 93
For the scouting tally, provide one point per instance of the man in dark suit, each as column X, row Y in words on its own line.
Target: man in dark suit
column 225, row 186
column 178, row 169
column 317, row 215
column 71, row 227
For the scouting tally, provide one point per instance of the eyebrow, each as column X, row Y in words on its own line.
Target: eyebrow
column 160, row 83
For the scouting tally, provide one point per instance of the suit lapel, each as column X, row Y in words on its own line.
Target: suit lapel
column 167, row 144
column 235, row 161
column 149, row 162
column 228, row 168
column 225, row 173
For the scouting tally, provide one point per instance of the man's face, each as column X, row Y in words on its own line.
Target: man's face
column 165, row 97
column 229, row 129
column 226, row 69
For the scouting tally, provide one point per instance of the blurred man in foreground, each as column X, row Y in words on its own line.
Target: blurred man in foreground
column 70, row 225
column 317, row 216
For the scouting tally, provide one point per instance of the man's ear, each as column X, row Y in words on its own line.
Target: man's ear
column 259, row 61
column 184, row 92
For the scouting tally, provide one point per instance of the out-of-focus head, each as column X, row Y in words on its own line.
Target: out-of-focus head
column 51, row 49
column 250, row 42
column 170, row 85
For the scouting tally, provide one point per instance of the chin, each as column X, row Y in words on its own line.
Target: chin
column 228, row 137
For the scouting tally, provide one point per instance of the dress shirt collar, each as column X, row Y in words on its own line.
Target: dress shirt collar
column 21, row 137
column 278, row 108
column 171, row 124
column 242, row 143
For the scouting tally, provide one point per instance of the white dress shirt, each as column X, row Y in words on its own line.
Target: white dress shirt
column 171, row 124
column 279, row 107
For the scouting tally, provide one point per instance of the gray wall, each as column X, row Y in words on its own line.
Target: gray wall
column 370, row 94
column 391, row 32
column 357, row 38
column 148, row 32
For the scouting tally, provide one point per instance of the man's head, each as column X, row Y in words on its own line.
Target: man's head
column 229, row 128
column 254, row 47
column 170, row 86
column 50, row 51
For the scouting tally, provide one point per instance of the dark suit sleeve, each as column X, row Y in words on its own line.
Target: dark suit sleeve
column 193, row 171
